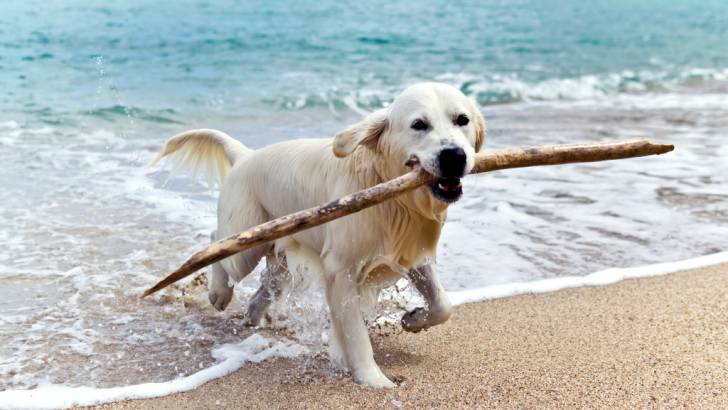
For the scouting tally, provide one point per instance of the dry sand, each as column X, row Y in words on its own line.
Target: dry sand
column 657, row 342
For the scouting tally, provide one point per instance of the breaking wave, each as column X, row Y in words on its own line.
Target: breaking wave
column 490, row 89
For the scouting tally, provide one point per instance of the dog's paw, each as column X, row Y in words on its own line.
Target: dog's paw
column 414, row 320
column 374, row 378
column 220, row 297
column 255, row 320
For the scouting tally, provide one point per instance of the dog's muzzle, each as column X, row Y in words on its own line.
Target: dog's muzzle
column 451, row 162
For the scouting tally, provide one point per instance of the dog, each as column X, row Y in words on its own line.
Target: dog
column 429, row 125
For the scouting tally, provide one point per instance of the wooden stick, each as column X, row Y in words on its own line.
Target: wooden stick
column 485, row 162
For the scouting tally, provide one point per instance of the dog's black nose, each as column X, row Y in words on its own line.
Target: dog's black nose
column 452, row 162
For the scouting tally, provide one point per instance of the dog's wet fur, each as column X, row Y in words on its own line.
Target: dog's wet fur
column 430, row 125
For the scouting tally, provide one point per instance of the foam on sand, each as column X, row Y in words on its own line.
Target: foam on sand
column 603, row 277
column 231, row 357
column 257, row 348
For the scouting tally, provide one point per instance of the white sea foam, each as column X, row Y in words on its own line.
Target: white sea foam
column 603, row 277
column 230, row 357
column 505, row 88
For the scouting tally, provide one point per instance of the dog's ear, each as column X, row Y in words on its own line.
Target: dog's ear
column 479, row 124
column 365, row 132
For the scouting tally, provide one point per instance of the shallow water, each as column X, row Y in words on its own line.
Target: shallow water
column 86, row 227
column 91, row 228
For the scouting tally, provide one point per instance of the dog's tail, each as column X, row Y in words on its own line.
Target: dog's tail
column 211, row 152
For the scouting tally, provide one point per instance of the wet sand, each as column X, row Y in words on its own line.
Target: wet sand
column 656, row 342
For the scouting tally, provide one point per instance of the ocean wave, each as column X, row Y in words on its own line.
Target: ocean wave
column 504, row 88
column 510, row 88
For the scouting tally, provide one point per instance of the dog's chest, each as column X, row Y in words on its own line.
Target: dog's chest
column 410, row 239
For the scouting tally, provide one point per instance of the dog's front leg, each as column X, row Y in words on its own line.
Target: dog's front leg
column 274, row 281
column 342, row 294
column 437, row 304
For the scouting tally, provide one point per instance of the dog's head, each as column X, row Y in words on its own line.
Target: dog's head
column 432, row 124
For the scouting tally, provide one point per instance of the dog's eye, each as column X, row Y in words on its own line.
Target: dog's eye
column 462, row 120
column 419, row 125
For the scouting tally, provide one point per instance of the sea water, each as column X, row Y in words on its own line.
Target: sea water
column 90, row 91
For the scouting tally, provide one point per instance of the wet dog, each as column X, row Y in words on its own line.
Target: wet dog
column 430, row 125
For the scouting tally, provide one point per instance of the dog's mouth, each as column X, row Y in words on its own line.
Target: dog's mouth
column 447, row 190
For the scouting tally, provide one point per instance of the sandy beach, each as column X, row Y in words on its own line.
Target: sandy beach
column 647, row 343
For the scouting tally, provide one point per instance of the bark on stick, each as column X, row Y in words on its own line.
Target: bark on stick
column 349, row 204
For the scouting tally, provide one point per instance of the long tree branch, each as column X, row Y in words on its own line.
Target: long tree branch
column 485, row 162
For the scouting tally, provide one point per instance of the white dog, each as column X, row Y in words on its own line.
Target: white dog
column 430, row 124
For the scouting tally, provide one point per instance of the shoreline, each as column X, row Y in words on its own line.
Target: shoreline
column 648, row 342
column 317, row 370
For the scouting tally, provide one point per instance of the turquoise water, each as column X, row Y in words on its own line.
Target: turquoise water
column 180, row 62
column 91, row 89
